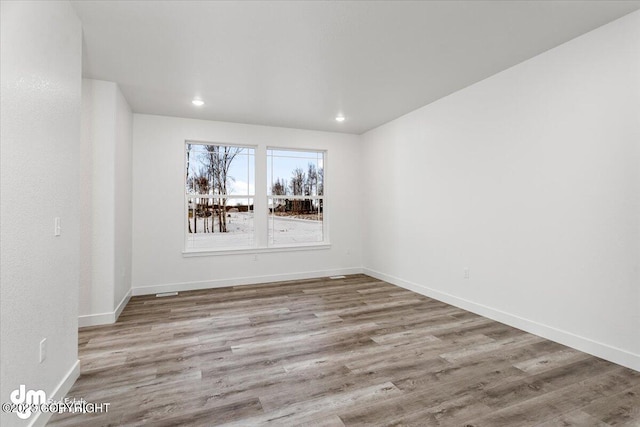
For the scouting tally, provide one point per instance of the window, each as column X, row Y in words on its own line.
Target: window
column 220, row 191
column 219, row 198
column 295, row 188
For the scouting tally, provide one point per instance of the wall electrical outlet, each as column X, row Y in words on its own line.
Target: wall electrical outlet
column 466, row 273
column 43, row 350
column 57, row 229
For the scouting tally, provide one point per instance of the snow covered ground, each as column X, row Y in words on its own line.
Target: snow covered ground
column 282, row 231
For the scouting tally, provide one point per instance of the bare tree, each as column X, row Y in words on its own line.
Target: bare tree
column 186, row 179
column 218, row 160
column 312, row 184
column 320, row 188
column 320, row 181
column 193, row 205
column 312, row 179
column 201, row 183
column 298, row 179
column 297, row 182
column 279, row 188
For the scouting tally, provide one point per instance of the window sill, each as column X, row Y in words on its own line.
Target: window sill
column 187, row 253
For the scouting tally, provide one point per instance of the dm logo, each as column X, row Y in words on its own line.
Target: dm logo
column 26, row 400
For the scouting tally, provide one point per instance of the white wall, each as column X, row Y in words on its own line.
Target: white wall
column 106, row 145
column 98, row 167
column 531, row 180
column 158, row 207
column 40, row 121
column 123, row 198
column 88, row 299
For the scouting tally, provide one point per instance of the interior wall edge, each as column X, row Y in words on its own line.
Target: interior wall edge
column 106, row 318
column 59, row 393
column 595, row 348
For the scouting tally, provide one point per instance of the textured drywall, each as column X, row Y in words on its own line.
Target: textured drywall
column 40, row 125
column 530, row 180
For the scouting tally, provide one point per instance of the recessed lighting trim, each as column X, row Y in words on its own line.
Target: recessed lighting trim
column 340, row 118
column 198, row 102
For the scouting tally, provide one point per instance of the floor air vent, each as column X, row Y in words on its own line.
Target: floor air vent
column 167, row 294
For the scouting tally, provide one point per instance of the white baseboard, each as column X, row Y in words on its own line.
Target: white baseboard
column 104, row 318
column 61, row 390
column 96, row 319
column 598, row 349
column 123, row 303
column 253, row 280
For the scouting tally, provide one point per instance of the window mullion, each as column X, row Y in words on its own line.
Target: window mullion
column 260, row 201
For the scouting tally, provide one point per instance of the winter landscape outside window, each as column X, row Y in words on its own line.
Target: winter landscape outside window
column 295, row 181
column 220, row 190
column 220, row 187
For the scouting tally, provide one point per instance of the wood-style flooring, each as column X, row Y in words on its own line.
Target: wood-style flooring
column 354, row 351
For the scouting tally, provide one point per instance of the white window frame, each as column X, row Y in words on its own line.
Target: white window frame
column 260, row 203
column 185, row 215
column 325, row 221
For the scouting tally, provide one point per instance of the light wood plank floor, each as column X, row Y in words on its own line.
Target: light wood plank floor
column 321, row 352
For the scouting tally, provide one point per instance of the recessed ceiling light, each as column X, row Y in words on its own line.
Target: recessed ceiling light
column 198, row 102
column 340, row 118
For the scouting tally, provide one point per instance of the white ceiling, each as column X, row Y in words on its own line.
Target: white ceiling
column 299, row 64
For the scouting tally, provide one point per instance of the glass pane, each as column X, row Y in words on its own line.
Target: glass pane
column 295, row 221
column 219, row 169
column 291, row 172
column 220, row 223
column 225, row 171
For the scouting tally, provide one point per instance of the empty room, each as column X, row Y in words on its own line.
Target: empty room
column 320, row 213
